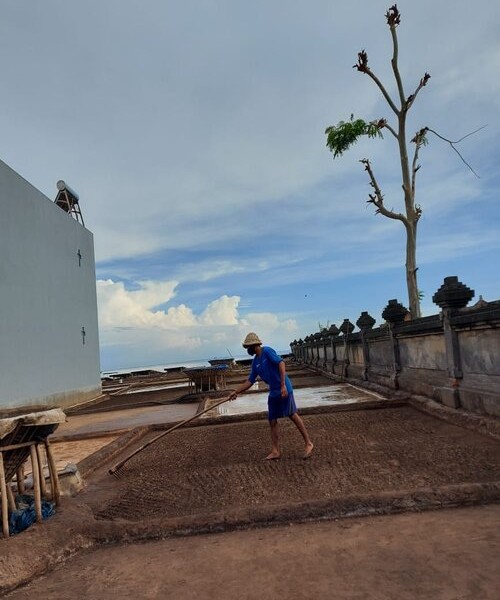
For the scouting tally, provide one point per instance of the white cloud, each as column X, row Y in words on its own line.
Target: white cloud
column 269, row 323
column 458, row 244
column 154, row 293
column 218, row 269
column 130, row 319
column 119, row 307
column 223, row 311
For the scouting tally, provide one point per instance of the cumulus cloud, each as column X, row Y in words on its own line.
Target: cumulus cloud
column 269, row 323
column 136, row 319
column 119, row 307
column 223, row 311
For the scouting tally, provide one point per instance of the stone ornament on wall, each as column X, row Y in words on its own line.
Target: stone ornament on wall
column 365, row 321
column 394, row 312
column 453, row 294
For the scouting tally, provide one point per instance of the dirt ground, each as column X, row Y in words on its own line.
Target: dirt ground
column 211, row 478
column 439, row 555
column 219, row 468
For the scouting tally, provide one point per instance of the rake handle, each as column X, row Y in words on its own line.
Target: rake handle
column 176, row 426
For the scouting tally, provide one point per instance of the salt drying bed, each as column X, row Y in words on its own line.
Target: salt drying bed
column 304, row 398
column 155, row 388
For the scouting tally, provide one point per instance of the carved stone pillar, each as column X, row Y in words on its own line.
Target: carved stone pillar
column 346, row 328
column 317, row 343
column 394, row 313
column 451, row 297
column 308, row 341
column 324, row 342
column 333, row 333
column 300, row 347
column 365, row 323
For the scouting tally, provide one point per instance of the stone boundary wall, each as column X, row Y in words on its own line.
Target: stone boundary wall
column 452, row 357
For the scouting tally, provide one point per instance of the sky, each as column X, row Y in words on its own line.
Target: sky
column 193, row 133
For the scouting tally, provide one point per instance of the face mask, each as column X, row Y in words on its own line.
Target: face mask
column 251, row 350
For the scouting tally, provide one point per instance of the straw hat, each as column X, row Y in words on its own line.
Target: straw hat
column 252, row 339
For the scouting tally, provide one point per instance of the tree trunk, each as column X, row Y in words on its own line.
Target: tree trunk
column 411, row 269
column 411, row 221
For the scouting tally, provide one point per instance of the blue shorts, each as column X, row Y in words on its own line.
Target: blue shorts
column 278, row 407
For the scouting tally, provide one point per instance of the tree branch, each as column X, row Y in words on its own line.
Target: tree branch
column 419, row 140
column 414, row 168
column 362, row 66
column 411, row 98
column 393, row 17
column 393, row 131
column 378, row 199
column 457, row 142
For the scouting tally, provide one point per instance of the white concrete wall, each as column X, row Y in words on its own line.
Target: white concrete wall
column 45, row 300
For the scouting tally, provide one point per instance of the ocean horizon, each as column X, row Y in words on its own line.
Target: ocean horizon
column 200, row 362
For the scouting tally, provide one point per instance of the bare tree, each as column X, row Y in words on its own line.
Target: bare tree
column 341, row 136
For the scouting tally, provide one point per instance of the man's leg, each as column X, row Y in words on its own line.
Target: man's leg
column 299, row 423
column 275, row 440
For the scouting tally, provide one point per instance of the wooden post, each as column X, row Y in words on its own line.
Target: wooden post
column 43, row 487
column 20, row 480
column 5, row 506
column 10, row 498
column 54, row 477
column 36, row 483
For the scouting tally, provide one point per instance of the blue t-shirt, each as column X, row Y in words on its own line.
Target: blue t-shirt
column 266, row 366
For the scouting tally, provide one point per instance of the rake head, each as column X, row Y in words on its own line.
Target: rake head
column 118, row 471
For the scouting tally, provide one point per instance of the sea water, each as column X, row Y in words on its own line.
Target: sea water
column 160, row 368
column 200, row 362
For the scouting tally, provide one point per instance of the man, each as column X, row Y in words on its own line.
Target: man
column 269, row 366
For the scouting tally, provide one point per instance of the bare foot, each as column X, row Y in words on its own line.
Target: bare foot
column 273, row 456
column 308, row 450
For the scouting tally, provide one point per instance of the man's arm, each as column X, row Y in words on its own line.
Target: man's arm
column 241, row 388
column 282, row 369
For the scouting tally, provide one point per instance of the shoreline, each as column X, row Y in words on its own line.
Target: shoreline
column 162, row 367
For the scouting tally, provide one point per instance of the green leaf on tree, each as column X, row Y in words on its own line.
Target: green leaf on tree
column 342, row 136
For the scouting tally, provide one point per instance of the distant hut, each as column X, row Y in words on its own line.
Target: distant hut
column 217, row 362
column 206, row 379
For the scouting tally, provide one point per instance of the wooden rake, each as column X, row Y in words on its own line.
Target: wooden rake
column 116, row 469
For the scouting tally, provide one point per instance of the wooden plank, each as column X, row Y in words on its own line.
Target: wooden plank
column 16, row 446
